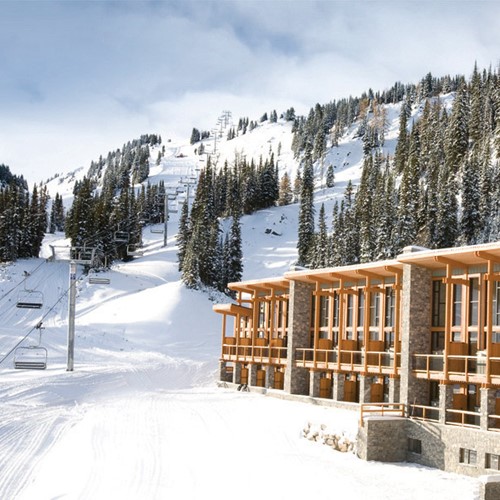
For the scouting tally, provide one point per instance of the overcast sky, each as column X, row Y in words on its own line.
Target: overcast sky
column 80, row 78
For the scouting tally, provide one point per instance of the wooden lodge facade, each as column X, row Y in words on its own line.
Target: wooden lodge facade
column 419, row 333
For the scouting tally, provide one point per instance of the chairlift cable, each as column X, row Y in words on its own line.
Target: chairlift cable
column 35, row 327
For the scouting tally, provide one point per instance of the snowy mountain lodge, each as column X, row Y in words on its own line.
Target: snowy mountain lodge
column 413, row 342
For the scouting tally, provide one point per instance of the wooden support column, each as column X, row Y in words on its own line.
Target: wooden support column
column 342, row 313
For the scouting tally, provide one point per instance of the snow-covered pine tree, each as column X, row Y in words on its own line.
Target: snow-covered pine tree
column 306, row 214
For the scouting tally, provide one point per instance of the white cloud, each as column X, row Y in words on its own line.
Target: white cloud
column 94, row 72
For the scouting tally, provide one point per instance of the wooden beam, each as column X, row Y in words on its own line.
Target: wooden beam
column 232, row 310
column 394, row 270
column 487, row 256
column 369, row 274
column 456, row 281
column 448, row 262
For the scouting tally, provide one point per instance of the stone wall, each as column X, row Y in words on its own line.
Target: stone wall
column 299, row 322
column 415, row 330
column 382, row 439
column 387, row 439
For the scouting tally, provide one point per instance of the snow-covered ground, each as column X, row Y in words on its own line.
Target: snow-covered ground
column 141, row 415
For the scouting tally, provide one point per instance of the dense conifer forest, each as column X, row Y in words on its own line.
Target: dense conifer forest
column 440, row 187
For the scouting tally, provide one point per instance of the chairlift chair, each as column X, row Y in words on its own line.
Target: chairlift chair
column 33, row 357
column 156, row 230
column 29, row 299
column 30, row 358
column 82, row 255
column 94, row 279
column 133, row 251
column 121, row 236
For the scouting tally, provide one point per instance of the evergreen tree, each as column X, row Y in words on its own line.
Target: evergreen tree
column 233, row 255
column 330, row 176
column 286, row 195
column 306, row 215
column 320, row 256
column 183, row 234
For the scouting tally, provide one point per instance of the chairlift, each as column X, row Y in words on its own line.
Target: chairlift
column 133, row 251
column 156, row 230
column 121, row 237
column 82, row 255
column 94, row 279
column 29, row 299
column 33, row 357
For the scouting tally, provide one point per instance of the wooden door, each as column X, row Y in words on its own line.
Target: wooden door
column 325, row 387
column 261, row 378
column 244, row 376
column 279, row 379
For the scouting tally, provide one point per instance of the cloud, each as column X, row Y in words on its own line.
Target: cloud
column 94, row 72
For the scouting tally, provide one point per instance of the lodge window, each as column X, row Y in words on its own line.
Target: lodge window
column 336, row 304
column 415, row 445
column 438, row 303
column 474, row 302
column 390, row 305
column 437, row 341
column 468, row 457
column 350, row 310
column 457, row 305
column 492, row 461
column 496, row 304
column 262, row 314
column 324, row 310
column 361, row 308
column 374, row 309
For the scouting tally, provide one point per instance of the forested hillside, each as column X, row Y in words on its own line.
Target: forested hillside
column 439, row 188
column 434, row 182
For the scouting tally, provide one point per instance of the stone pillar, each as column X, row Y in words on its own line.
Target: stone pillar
column 299, row 322
column 338, row 386
column 270, row 376
column 489, row 488
column 314, row 378
column 415, row 330
column 252, row 375
column 445, row 401
column 222, row 371
column 365, row 384
column 488, row 401
column 237, row 373
column 394, row 390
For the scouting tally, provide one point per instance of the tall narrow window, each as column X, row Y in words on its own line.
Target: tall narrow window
column 324, row 310
column 457, row 305
column 336, row 303
column 375, row 309
column 438, row 303
column 474, row 302
column 350, row 310
column 496, row 303
column 361, row 308
column 390, row 305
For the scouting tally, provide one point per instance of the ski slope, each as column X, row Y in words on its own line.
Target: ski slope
column 141, row 415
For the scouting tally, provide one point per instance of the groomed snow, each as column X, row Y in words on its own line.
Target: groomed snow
column 141, row 415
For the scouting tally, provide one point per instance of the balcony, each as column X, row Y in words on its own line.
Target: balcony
column 273, row 354
column 461, row 368
column 376, row 363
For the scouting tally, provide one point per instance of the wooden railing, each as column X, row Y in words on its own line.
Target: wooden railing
column 375, row 361
column 422, row 412
column 461, row 366
column 257, row 354
column 462, row 418
column 382, row 410
column 494, row 423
